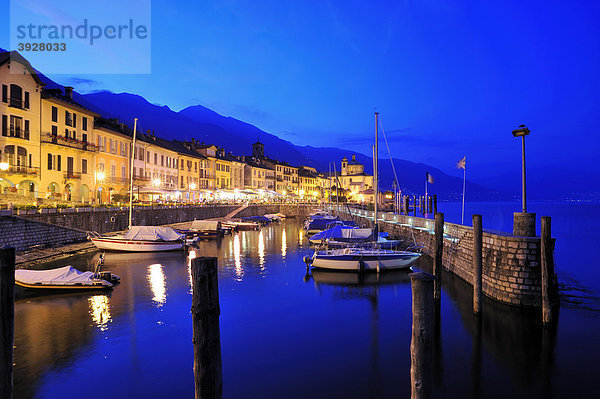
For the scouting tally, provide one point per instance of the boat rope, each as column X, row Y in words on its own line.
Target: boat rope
column 389, row 153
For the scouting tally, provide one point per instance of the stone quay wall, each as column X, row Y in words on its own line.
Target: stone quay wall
column 24, row 234
column 511, row 264
column 54, row 227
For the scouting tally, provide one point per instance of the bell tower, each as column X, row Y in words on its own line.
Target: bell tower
column 258, row 149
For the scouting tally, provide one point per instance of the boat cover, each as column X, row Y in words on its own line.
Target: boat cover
column 206, row 225
column 67, row 275
column 152, row 233
column 323, row 223
column 259, row 219
column 356, row 233
column 333, row 232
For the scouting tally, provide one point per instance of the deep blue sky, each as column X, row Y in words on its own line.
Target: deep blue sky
column 450, row 78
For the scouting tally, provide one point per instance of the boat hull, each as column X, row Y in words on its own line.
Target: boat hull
column 104, row 285
column 352, row 262
column 120, row 244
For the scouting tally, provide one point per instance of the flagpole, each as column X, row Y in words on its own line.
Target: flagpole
column 462, row 218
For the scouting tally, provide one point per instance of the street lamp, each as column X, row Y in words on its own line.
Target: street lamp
column 4, row 166
column 98, row 177
column 522, row 131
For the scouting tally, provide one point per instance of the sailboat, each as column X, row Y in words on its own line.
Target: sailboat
column 139, row 238
column 360, row 258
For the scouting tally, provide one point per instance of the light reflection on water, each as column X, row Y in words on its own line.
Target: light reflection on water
column 261, row 250
column 237, row 256
column 283, row 243
column 100, row 311
column 156, row 277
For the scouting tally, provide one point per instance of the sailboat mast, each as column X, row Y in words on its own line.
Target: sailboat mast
column 131, row 172
column 375, row 167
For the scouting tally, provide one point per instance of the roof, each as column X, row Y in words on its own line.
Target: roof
column 117, row 127
column 57, row 94
column 9, row 56
column 256, row 164
column 181, row 148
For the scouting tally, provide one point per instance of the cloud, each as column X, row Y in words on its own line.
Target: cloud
column 79, row 82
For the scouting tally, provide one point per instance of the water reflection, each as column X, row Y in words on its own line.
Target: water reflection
column 261, row 250
column 100, row 311
column 237, row 257
column 283, row 243
column 300, row 236
column 156, row 277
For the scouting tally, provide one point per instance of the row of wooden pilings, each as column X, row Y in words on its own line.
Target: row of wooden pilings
column 424, row 204
column 208, row 374
column 426, row 297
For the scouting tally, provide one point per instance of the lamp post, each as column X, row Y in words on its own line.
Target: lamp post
column 522, row 131
column 193, row 188
column 98, row 177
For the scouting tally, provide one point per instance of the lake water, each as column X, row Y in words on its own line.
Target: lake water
column 289, row 334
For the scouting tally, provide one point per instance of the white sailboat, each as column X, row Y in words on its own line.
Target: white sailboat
column 360, row 258
column 139, row 238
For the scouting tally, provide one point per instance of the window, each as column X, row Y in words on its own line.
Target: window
column 4, row 93
column 26, row 105
column 54, row 114
column 84, row 123
column 155, row 159
column 68, row 120
column 74, row 119
column 123, row 171
column 113, row 170
column 54, row 130
column 15, row 126
column 49, row 161
column 4, row 125
column 84, row 138
column 141, row 154
column 162, row 160
column 16, row 96
column 58, row 162
column 67, row 133
column 84, row 166
column 26, row 130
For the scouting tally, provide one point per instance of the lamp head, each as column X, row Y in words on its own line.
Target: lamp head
column 521, row 131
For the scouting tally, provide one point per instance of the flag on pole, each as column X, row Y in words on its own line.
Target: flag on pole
column 428, row 177
column 462, row 164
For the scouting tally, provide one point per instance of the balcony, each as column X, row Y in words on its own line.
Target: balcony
column 68, row 142
column 72, row 175
column 116, row 180
column 21, row 170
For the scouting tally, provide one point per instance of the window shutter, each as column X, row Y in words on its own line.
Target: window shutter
column 26, row 135
column 49, row 161
column 27, row 99
column 58, row 162
column 4, row 124
column 4, row 93
column 74, row 119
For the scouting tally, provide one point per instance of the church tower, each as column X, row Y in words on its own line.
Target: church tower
column 258, row 149
column 344, row 166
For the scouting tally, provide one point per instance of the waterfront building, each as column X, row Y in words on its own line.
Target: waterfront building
column 162, row 169
column 210, row 172
column 285, row 180
column 20, row 110
column 237, row 166
column 190, row 166
column 353, row 179
column 222, row 170
column 112, row 163
column 308, row 183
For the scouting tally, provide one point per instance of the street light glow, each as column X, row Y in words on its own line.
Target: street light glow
column 3, row 166
column 156, row 182
column 193, row 186
column 100, row 175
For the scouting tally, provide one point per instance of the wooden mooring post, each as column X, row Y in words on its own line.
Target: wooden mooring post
column 477, row 263
column 421, row 344
column 437, row 254
column 208, row 372
column 406, row 204
column 7, row 320
column 435, row 204
column 415, row 204
column 547, row 270
column 429, row 204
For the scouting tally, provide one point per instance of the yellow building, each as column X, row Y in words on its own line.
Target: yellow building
column 354, row 179
column 67, row 147
column 112, row 160
column 162, row 168
column 19, row 127
column 308, row 183
column 190, row 165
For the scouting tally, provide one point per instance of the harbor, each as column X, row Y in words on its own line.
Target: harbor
column 286, row 328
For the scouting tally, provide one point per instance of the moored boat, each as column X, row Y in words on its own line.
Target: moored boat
column 140, row 239
column 363, row 259
column 65, row 278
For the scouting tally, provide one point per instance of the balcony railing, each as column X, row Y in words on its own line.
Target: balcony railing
column 21, row 170
column 116, row 180
column 72, row 175
column 68, row 142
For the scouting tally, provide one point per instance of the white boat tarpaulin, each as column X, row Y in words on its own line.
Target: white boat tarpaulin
column 152, row 233
column 356, row 233
column 206, row 225
column 62, row 275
